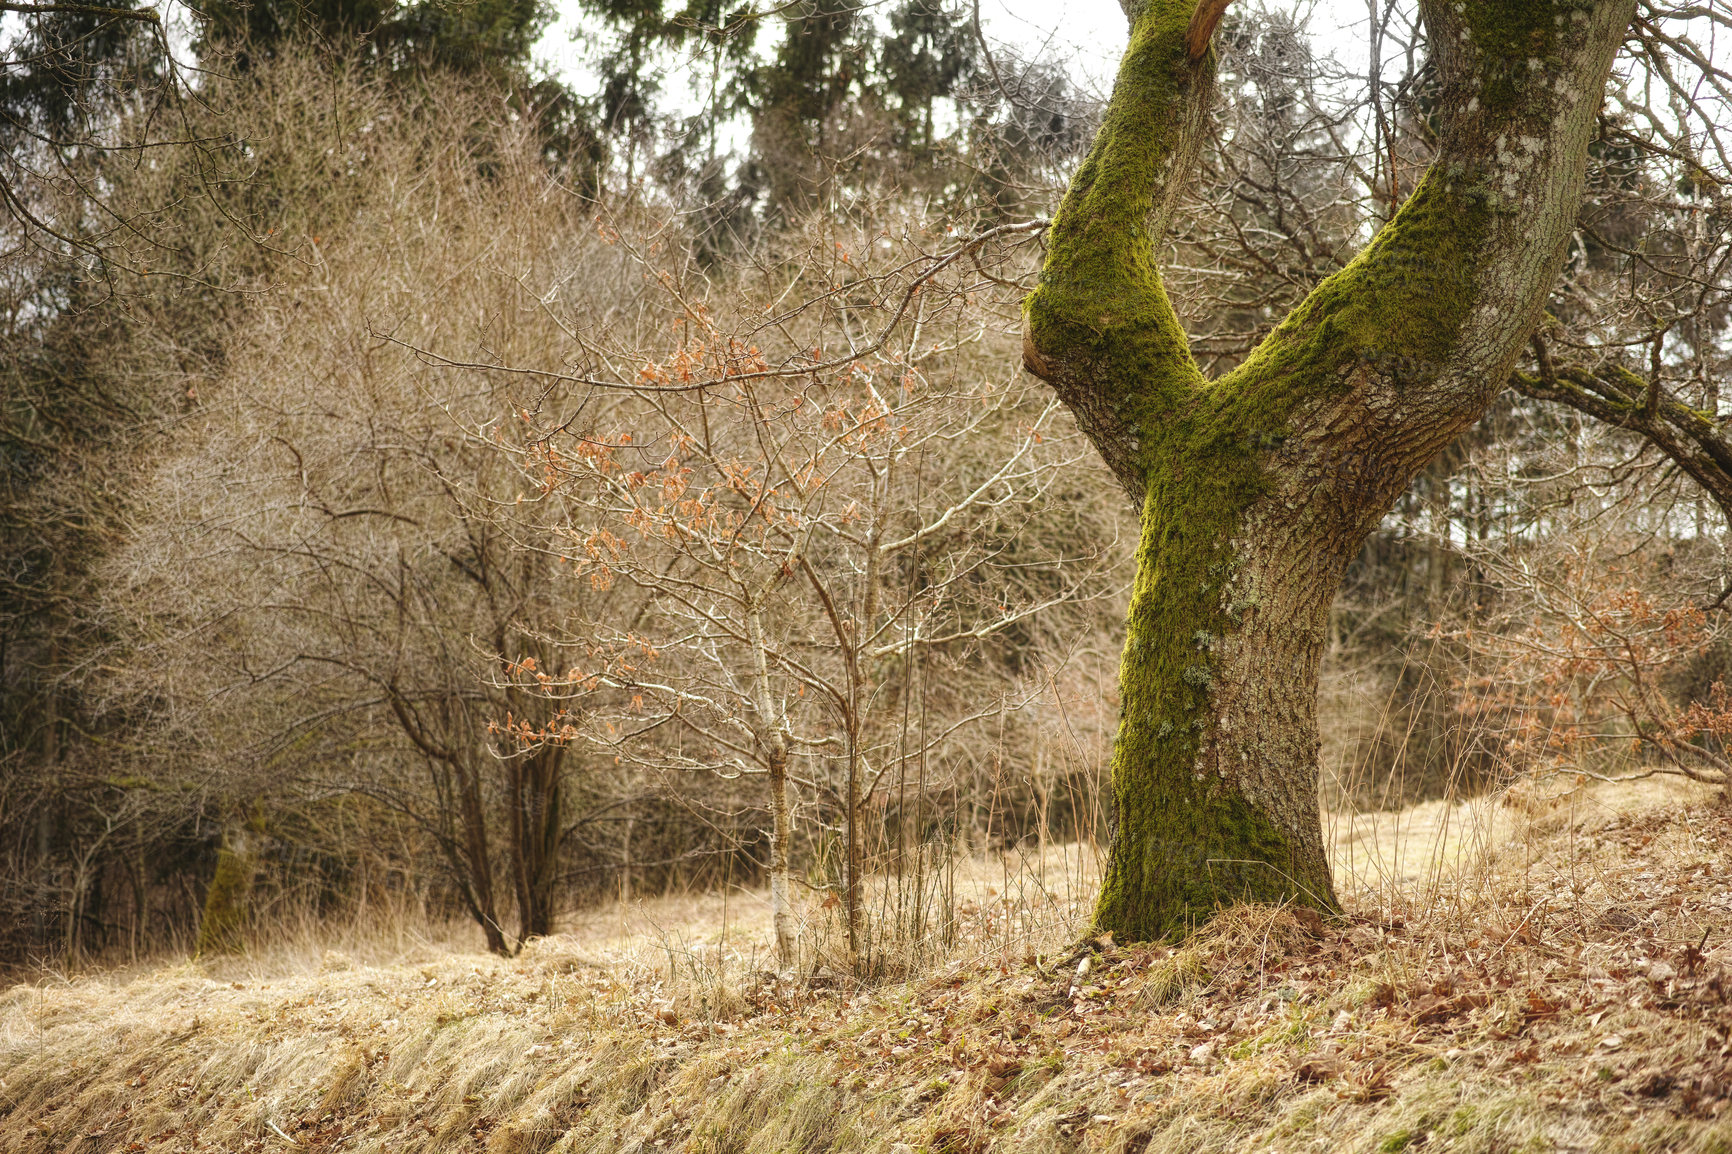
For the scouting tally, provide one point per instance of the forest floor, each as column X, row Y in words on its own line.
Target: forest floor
column 1543, row 971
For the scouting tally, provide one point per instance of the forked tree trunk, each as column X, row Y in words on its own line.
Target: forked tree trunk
column 457, row 783
column 1257, row 488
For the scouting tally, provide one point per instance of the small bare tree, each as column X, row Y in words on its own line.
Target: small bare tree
column 801, row 528
column 1596, row 647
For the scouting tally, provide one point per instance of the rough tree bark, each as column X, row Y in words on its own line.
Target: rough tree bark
column 1257, row 488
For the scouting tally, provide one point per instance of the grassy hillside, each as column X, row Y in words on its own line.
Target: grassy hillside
column 1544, row 973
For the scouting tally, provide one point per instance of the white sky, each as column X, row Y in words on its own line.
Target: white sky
column 1092, row 33
column 1088, row 34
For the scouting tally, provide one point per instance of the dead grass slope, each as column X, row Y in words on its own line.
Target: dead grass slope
column 1567, row 994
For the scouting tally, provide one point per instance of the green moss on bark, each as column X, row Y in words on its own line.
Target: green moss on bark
column 1515, row 42
column 225, row 904
column 228, row 901
column 1182, row 839
column 1398, row 305
column 1101, row 301
column 1187, row 841
column 1207, row 453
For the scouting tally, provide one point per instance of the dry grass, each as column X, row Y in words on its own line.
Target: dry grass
column 1544, row 974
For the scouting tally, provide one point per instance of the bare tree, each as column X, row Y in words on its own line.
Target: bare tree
column 323, row 582
column 800, row 533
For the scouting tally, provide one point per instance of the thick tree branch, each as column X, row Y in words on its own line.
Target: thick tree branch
column 1100, row 328
column 1202, row 27
column 1611, row 394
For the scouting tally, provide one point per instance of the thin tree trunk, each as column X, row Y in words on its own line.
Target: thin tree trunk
column 478, row 861
column 74, row 945
column 140, row 900
column 853, row 891
column 50, row 760
column 626, row 864
column 44, row 852
column 772, row 735
column 1256, row 489
column 547, row 830
column 466, row 848
column 781, row 838
column 850, row 641
column 536, row 797
column 859, row 693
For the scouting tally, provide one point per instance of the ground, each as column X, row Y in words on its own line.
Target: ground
column 1538, row 971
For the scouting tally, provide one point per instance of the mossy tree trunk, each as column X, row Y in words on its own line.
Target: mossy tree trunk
column 1257, row 488
column 222, row 925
